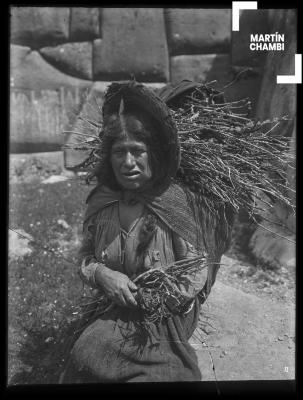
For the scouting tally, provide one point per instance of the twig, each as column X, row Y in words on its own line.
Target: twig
column 275, row 233
column 82, row 134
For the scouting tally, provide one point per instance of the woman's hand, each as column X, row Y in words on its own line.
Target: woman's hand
column 117, row 286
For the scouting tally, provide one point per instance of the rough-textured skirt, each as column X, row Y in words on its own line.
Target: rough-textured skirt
column 114, row 349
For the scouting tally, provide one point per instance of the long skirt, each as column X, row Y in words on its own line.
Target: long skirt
column 115, row 348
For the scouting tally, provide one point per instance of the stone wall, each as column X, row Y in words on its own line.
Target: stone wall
column 77, row 48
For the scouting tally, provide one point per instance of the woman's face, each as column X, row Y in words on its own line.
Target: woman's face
column 130, row 162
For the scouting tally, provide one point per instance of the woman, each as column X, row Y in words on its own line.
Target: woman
column 137, row 218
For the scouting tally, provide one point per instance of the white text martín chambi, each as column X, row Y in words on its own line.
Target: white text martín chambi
column 267, row 41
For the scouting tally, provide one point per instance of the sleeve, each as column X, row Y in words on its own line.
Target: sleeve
column 87, row 263
column 191, row 285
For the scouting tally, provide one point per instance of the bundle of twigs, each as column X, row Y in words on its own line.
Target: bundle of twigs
column 231, row 158
column 158, row 295
column 225, row 156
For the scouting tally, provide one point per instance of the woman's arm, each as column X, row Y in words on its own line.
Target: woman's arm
column 196, row 281
column 87, row 262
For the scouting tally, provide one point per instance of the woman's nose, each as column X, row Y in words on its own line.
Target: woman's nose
column 129, row 160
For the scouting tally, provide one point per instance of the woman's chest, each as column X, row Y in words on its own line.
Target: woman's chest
column 129, row 214
column 118, row 235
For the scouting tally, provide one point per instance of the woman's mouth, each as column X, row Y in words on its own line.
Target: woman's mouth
column 131, row 174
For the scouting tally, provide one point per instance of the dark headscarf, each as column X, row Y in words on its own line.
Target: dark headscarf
column 154, row 114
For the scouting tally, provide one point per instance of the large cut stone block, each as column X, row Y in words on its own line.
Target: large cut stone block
column 71, row 58
column 84, row 24
column 43, row 102
column 39, row 26
column 201, row 68
column 17, row 55
column 251, row 22
column 197, row 31
column 39, row 117
column 277, row 100
column 133, row 42
column 30, row 71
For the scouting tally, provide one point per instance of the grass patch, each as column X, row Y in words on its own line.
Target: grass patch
column 43, row 287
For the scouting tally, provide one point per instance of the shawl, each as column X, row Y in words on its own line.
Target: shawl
column 177, row 207
column 171, row 206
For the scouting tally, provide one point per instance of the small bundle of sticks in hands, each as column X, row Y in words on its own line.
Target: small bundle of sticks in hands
column 158, row 295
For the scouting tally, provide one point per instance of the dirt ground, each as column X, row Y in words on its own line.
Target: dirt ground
column 247, row 326
column 248, row 337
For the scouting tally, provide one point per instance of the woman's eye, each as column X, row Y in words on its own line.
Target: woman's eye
column 134, row 153
column 118, row 153
column 139, row 153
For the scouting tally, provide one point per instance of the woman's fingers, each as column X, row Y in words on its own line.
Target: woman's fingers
column 120, row 300
column 133, row 287
column 121, row 289
column 129, row 298
column 124, row 298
